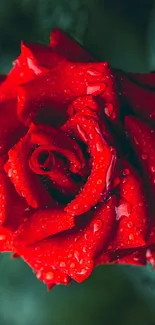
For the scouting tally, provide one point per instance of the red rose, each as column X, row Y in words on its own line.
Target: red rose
column 72, row 192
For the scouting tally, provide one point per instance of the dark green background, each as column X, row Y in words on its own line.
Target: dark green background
column 122, row 32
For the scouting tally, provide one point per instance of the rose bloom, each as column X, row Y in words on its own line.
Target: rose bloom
column 77, row 162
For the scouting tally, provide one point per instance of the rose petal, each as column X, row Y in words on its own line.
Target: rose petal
column 44, row 223
column 55, row 169
column 132, row 210
column 144, row 79
column 143, row 139
column 73, row 252
column 40, row 56
column 11, row 128
column 27, row 184
column 5, row 197
column 6, row 240
column 140, row 95
column 59, row 142
column 103, row 162
column 50, row 94
column 73, row 51
column 52, row 276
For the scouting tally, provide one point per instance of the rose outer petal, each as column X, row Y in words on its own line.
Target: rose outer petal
column 5, row 197
column 139, row 92
column 11, row 128
column 44, row 223
column 6, row 240
column 34, row 60
column 136, row 257
column 73, row 253
column 50, row 94
column 132, row 211
column 52, row 276
column 143, row 139
column 71, row 49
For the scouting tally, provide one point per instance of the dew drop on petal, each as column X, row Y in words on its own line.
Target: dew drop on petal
column 99, row 181
column 123, row 210
column 38, row 275
column 94, row 72
column 72, row 265
column 96, row 88
column 49, row 276
column 131, row 237
column 148, row 253
column 99, row 147
column 67, row 91
column 97, row 225
column 62, row 264
column 82, row 272
column 144, row 156
column 76, row 255
column 109, row 109
column 126, row 172
column 2, row 237
column 130, row 224
column 75, row 206
column 141, row 204
column 82, row 133
column 153, row 169
column 10, row 172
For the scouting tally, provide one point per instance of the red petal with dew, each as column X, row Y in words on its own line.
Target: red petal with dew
column 50, row 94
column 73, row 252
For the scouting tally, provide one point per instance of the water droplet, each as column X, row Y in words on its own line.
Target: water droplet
column 2, row 237
column 72, row 265
column 62, row 264
column 94, row 72
column 82, row 133
column 126, row 172
column 100, row 181
column 38, row 275
column 27, row 209
column 130, row 224
column 84, row 249
column 10, row 172
column 75, row 206
column 76, row 255
column 148, row 253
column 109, row 109
column 153, row 169
column 141, row 204
column 96, row 88
column 123, row 210
column 99, row 147
column 110, row 171
column 144, row 156
column 131, row 237
column 135, row 140
column 49, row 276
column 97, row 225
column 67, row 91
column 82, row 272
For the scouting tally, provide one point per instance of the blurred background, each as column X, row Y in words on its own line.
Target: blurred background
column 122, row 32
